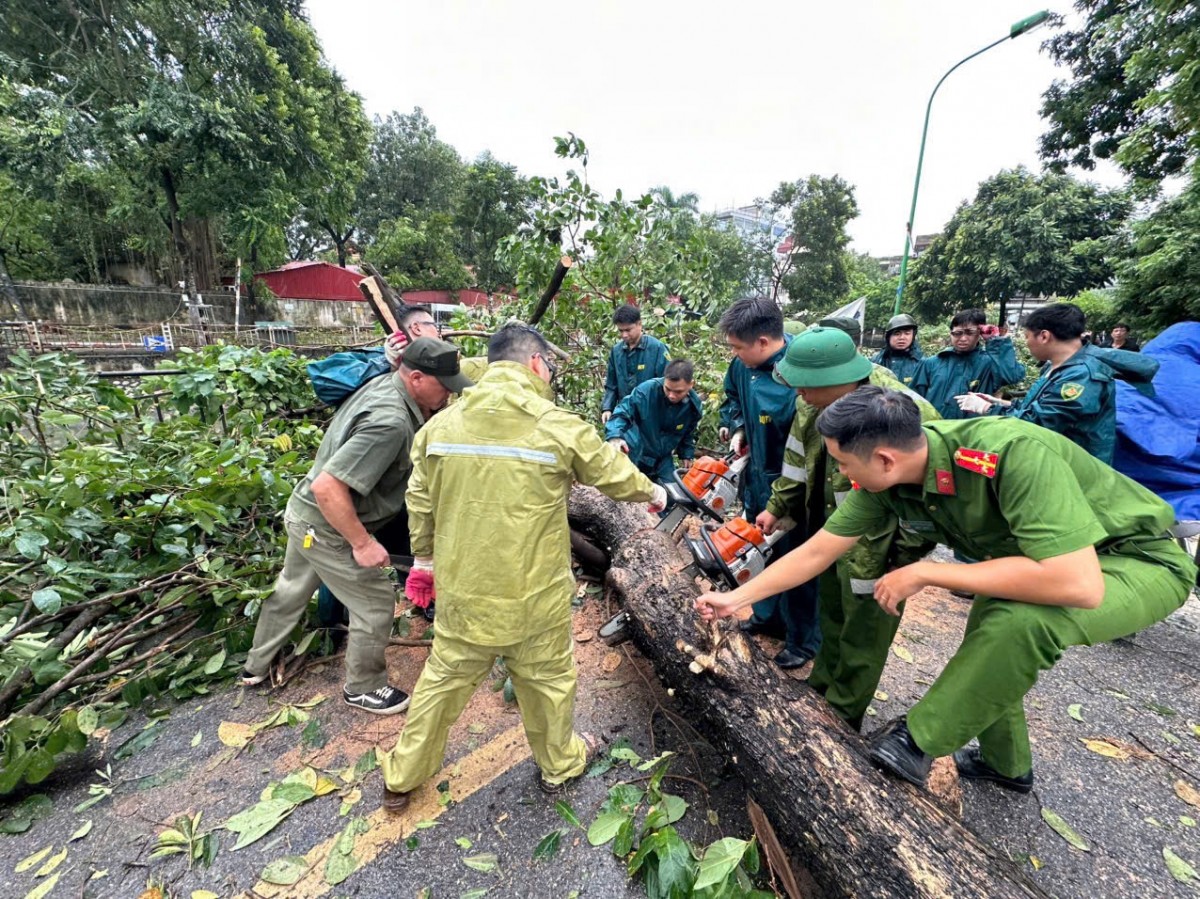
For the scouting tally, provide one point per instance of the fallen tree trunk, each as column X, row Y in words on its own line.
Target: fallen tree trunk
column 856, row 831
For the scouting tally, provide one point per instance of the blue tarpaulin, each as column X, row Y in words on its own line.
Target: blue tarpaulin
column 1158, row 438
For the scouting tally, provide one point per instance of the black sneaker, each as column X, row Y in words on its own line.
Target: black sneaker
column 428, row 612
column 249, row 679
column 895, row 751
column 387, row 700
column 970, row 765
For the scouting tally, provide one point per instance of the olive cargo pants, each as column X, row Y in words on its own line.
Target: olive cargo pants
column 1008, row 644
column 367, row 593
column 855, row 636
column 543, row 675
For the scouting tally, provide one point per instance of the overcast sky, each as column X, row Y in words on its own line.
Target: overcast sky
column 723, row 100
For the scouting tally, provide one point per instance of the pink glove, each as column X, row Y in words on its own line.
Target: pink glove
column 418, row 587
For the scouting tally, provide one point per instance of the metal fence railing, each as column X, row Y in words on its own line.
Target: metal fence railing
column 165, row 337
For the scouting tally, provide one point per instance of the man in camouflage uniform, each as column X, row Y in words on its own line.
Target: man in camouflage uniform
column 823, row 365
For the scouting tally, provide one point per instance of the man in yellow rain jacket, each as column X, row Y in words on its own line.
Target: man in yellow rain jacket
column 487, row 511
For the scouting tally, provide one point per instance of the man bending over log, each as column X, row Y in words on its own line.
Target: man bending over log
column 1072, row 552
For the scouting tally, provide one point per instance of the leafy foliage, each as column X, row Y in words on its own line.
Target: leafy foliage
column 817, row 210
column 1023, row 234
column 1159, row 273
column 639, row 824
column 134, row 548
column 1135, row 93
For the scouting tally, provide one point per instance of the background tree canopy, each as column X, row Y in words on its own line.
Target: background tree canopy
column 1023, row 234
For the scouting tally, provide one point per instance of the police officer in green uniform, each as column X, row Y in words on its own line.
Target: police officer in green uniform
column 1072, row 553
column 901, row 352
column 756, row 417
column 355, row 486
column 823, row 365
column 635, row 358
column 487, row 510
column 970, row 363
column 1075, row 394
column 658, row 421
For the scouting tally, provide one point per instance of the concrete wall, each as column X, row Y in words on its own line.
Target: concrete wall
column 104, row 305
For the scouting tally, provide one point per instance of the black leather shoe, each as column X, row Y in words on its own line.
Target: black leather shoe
column 787, row 660
column 394, row 803
column 750, row 626
column 971, row 765
column 895, row 751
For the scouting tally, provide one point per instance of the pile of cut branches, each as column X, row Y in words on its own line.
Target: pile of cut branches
column 134, row 551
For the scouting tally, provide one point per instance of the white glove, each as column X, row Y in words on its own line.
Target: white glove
column 393, row 348
column 422, row 563
column 737, row 445
column 973, row 403
column 620, row 444
column 658, row 499
column 723, row 434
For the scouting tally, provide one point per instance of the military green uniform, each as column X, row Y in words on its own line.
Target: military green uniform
column 1078, row 399
column 997, row 488
column 366, row 447
column 855, row 631
column 985, row 369
column 488, row 501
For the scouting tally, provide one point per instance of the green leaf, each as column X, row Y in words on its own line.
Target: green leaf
column 623, row 842
column 903, row 653
column 1180, row 870
column 40, row 764
column 47, row 600
column 462, row 842
column 196, row 739
column 339, row 866
column 605, row 827
column 719, row 861
column 30, row 860
column 88, row 720
column 547, row 848
column 675, row 807
column 214, row 664
column 1074, row 710
column 258, row 820
column 138, row 743
column 43, row 889
column 484, row 861
column 30, row 543
column 313, row 736
column 293, row 792
column 83, row 830
column 476, row 893
column 1065, row 830
column 567, row 813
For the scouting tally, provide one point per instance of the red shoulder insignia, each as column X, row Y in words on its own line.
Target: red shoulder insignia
column 945, row 482
column 978, row 461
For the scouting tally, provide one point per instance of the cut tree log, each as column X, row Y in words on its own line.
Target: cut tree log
column 852, row 829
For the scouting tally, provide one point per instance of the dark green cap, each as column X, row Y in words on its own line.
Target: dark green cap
column 431, row 356
column 822, row 357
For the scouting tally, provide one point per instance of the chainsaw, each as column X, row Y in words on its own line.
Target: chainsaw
column 708, row 489
column 729, row 555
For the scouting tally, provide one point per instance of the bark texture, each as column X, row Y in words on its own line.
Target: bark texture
column 854, row 830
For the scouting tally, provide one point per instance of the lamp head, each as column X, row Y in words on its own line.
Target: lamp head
column 1029, row 23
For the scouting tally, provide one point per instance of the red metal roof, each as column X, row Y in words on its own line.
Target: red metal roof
column 448, row 297
column 313, row 281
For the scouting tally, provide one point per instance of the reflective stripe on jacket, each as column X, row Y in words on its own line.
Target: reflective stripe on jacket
column 488, row 500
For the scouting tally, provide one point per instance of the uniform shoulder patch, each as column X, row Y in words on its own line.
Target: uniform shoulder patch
column 978, row 461
column 1072, row 390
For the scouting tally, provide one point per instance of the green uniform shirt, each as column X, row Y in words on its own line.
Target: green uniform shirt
column 805, row 462
column 366, row 447
column 1000, row 487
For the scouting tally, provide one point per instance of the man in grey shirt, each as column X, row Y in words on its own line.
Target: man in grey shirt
column 356, row 485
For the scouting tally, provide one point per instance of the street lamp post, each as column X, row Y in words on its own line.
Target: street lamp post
column 1029, row 23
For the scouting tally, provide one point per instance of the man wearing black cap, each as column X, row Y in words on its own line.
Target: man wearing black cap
column 355, row 486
